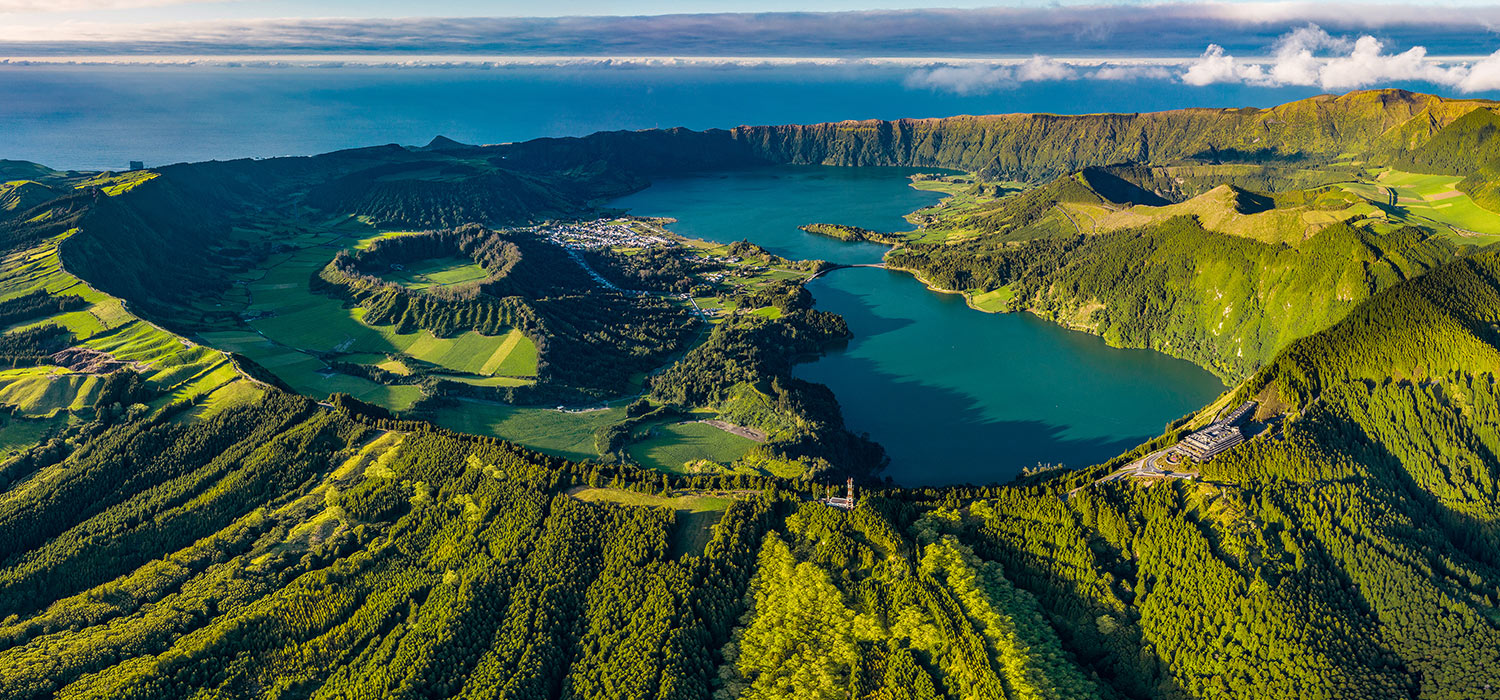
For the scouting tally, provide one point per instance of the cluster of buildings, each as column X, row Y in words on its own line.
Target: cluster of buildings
column 1219, row 435
column 602, row 233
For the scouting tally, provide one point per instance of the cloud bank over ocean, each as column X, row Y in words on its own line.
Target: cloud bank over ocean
column 1156, row 29
column 1331, row 46
column 1306, row 56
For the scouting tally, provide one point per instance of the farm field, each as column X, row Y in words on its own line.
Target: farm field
column 304, row 320
column 673, row 446
column 17, row 434
column 291, row 323
column 1432, row 197
column 993, row 301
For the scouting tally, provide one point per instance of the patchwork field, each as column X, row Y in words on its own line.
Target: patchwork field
column 1435, row 198
column 303, row 320
column 292, row 325
column 673, row 446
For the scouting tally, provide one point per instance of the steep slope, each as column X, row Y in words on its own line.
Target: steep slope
column 437, row 193
column 21, row 195
column 1038, row 147
column 1237, row 212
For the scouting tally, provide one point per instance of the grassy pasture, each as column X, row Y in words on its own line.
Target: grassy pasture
column 308, row 321
column 117, row 183
column 672, row 446
column 564, row 434
column 487, row 381
column 17, row 434
column 993, row 301
column 691, row 503
column 1426, row 200
column 438, row 272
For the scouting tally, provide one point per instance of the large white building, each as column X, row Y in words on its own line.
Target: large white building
column 1218, row 436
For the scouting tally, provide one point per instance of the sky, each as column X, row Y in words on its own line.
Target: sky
column 950, row 45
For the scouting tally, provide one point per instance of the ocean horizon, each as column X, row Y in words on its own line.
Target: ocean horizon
column 101, row 117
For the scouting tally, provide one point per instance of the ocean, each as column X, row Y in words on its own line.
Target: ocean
column 101, row 117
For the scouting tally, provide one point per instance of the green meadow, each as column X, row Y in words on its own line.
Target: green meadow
column 438, row 272
column 568, row 434
column 294, row 322
column 1434, row 198
column 994, row 301
column 671, row 447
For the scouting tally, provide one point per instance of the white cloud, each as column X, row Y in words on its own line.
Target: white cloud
column 1041, row 68
column 1217, row 66
column 18, row 6
column 1295, row 62
column 1353, row 64
column 1483, row 76
column 963, row 80
column 1128, row 73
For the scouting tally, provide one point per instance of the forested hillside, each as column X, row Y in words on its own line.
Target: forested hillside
column 289, row 550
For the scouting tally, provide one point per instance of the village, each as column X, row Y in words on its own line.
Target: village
column 600, row 234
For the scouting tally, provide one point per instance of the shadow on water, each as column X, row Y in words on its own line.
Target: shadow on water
column 954, row 395
column 957, row 396
column 938, row 436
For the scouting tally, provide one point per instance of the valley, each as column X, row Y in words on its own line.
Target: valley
column 557, row 418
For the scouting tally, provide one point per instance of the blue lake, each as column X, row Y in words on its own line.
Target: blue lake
column 955, row 395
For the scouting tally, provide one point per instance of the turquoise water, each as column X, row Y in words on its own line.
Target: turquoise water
column 954, row 395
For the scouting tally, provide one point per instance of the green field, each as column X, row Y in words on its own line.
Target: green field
column 670, row 447
column 439, row 272
column 17, row 434
column 180, row 370
column 295, row 322
column 560, row 433
column 1431, row 198
column 304, row 320
column 993, row 301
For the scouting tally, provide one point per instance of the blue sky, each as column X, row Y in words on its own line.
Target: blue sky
column 960, row 46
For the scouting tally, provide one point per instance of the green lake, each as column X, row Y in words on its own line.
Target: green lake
column 955, row 395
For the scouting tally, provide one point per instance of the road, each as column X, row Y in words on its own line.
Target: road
column 1152, row 466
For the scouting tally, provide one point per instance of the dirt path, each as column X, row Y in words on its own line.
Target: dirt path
column 740, row 430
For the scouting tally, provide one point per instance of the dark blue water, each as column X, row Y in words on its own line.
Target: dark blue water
column 102, row 117
column 768, row 204
column 954, row 395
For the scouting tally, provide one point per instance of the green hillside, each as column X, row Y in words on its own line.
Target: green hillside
column 408, row 562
